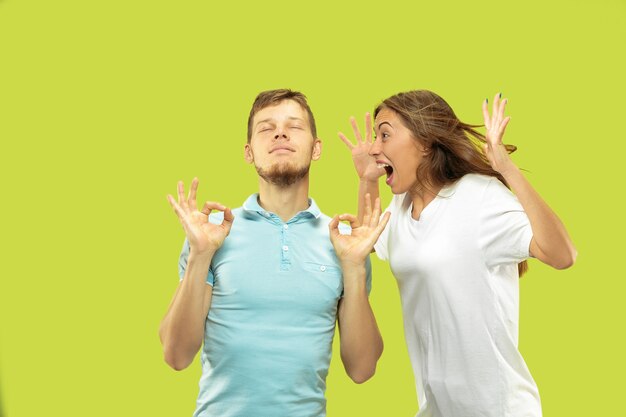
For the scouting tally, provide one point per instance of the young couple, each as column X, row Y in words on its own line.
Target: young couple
column 262, row 286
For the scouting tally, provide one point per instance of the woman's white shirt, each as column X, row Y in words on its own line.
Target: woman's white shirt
column 456, row 269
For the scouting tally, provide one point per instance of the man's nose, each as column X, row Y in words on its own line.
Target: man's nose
column 281, row 133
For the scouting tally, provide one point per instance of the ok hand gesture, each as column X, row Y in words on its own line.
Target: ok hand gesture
column 364, row 163
column 354, row 248
column 496, row 151
column 203, row 236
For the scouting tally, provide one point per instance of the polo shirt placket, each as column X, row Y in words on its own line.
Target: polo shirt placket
column 285, row 263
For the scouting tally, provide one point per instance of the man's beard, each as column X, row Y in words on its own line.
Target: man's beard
column 283, row 175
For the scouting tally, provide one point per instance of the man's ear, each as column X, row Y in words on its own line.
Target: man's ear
column 317, row 149
column 247, row 153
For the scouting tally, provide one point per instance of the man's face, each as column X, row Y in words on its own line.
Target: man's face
column 282, row 145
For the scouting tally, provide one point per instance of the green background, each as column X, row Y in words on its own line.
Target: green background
column 104, row 105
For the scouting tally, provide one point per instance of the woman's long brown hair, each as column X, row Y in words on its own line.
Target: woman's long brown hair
column 454, row 148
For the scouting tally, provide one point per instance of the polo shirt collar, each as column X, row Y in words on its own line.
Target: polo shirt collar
column 252, row 205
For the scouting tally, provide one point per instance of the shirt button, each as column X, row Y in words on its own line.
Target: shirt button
column 286, row 226
column 285, row 248
column 322, row 268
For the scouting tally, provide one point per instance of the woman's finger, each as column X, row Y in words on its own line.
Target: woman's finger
column 486, row 117
column 503, row 126
column 345, row 140
column 503, row 104
column 368, row 127
column 355, row 129
column 495, row 111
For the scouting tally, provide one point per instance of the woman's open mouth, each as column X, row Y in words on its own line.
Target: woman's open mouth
column 388, row 169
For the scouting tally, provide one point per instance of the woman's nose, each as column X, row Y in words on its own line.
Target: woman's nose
column 375, row 148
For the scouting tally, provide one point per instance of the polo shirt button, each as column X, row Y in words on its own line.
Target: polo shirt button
column 322, row 268
column 286, row 226
column 285, row 248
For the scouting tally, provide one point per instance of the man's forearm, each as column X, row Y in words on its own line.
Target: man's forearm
column 182, row 329
column 361, row 343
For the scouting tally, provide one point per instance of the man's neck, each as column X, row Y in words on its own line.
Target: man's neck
column 287, row 201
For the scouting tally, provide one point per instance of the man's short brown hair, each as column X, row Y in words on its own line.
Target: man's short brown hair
column 274, row 97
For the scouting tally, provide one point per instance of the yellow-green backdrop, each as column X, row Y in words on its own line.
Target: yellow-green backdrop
column 104, row 105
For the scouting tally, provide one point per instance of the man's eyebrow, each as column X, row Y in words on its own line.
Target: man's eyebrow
column 271, row 120
column 264, row 121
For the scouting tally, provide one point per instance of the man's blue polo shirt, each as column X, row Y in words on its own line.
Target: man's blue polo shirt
column 268, row 334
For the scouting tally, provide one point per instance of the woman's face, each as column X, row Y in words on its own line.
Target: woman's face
column 396, row 151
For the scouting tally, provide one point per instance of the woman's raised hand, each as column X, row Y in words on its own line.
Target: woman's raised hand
column 364, row 163
column 203, row 236
column 496, row 125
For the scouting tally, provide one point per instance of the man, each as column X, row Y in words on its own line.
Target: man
column 261, row 285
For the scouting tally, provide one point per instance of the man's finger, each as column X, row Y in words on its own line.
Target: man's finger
column 228, row 219
column 177, row 209
column 192, row 193
column 367, row 211
column 209, row 206
column 376, row 213
column 354, row 221
column 181, row 193
column 381, row 226
column 333, row 227
column 375, row 233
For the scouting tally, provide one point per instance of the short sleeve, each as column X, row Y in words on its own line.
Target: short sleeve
column 215, row 218
column 381, row 244
column 504, row 230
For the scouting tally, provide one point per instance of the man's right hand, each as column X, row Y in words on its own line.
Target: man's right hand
column 364, row 163
column 203, row 236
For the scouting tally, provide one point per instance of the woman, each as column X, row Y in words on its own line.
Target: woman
column 457, row 241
